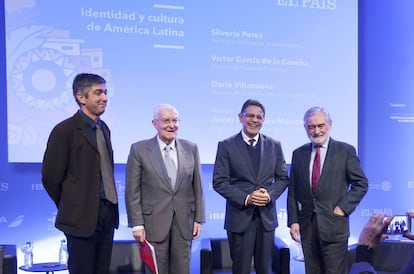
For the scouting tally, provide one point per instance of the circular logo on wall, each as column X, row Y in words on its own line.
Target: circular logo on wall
column 386, row 185
column 40, row 79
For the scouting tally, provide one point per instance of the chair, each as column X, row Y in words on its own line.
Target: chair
column 125, row 258
column 1, row 261
column 215, row 257
column 8, row 262
column 389, row 257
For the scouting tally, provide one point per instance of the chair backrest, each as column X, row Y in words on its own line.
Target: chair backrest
column 280, row 257
column 215, row 257
column 389, row 257
column 220, row 250
column 1, row 259
column 221, row 259
column 125, row 258
column 8, row 259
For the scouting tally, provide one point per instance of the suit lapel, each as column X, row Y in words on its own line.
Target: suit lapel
column 157, row 161
column 329, row 159
column 305, row 159
column 241, row 146
column 82, row 126
column 263, row 155
column 183, row 157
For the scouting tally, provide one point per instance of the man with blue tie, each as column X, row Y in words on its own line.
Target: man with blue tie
column 250, row 173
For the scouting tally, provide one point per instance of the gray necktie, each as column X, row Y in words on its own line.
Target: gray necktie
column 170, row 165
column 106, row 167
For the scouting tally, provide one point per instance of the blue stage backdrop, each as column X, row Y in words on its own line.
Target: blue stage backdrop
column 316, row 40
column 204, row 57
column 386, row 109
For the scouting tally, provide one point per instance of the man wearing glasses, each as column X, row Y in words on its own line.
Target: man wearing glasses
column 163, row 194
column 326, row 185
column 250, row 173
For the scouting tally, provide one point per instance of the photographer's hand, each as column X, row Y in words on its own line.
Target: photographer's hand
column 373, row 232
column 409, row 234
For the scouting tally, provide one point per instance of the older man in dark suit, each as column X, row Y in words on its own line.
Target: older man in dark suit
column 164, row 194
column 326, row 185
column 250, row 173
column 79, row 183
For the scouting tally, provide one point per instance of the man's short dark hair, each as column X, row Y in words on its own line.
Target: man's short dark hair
column 252, row 102
column 84, row 81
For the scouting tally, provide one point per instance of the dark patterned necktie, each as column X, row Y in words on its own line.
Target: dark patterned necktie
column 251, row 142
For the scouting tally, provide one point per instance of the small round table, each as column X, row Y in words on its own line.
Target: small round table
column 48, row 267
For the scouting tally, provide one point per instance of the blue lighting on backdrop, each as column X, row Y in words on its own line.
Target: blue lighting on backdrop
column 379, row 119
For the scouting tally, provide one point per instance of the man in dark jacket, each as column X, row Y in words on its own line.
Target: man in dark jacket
column 326, row 185
column 77, row 173
column 250, row 173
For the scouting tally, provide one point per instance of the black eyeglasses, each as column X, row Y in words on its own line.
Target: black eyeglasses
column 252, row 116
column 313, row 127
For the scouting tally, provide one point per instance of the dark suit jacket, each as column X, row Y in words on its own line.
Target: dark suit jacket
column 149, row 197
column 71, row 175
column 234, row 178
column 342, row 183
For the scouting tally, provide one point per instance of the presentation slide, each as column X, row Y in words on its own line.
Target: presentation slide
column 204, row 57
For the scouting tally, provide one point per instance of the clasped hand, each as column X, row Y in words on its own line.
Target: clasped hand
column 259, row 197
